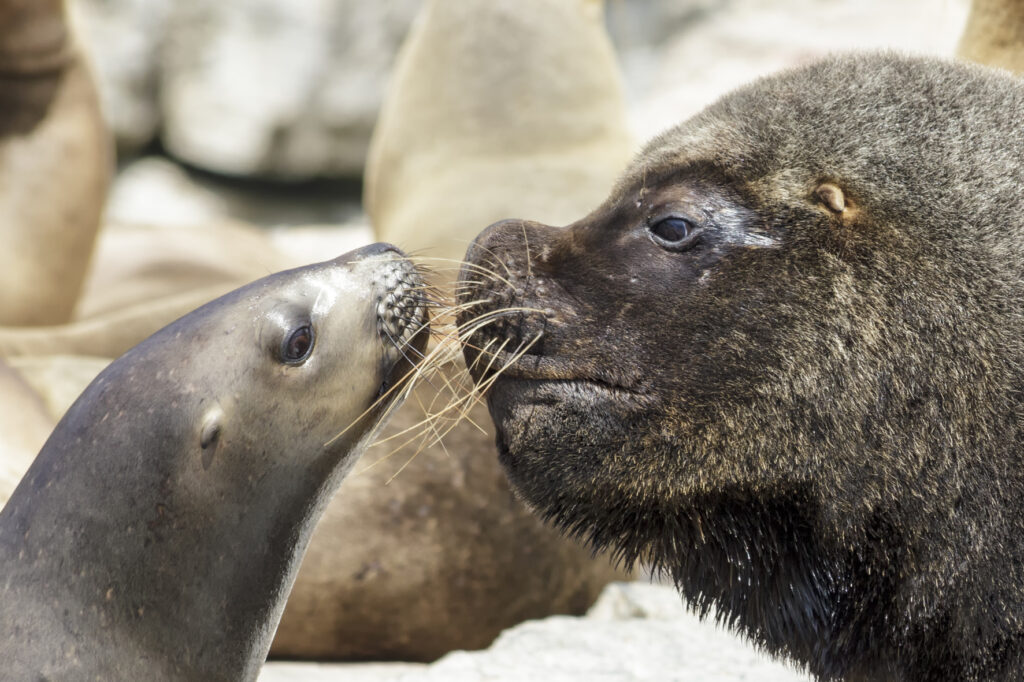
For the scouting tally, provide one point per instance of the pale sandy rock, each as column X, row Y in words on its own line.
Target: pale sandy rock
column 154, row 190
column 636, row 632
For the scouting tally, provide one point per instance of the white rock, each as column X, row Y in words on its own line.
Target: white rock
column 281, row 89
column 349, row 672
column 153, row 190
column 635, row 633
column 622, row 601
column 123, row 39
column 717, row 50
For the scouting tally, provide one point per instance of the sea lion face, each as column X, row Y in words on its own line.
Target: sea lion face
column 634, row 321
column 768, row 310
column 286, row 377
column 329, row 349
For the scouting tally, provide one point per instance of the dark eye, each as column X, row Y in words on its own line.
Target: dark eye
column 297, row 346
column 673, row 233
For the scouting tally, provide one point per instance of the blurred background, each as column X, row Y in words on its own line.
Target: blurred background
column 262, row 110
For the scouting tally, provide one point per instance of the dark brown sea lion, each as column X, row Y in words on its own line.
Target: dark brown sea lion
column 159, row 530
column 784, row 363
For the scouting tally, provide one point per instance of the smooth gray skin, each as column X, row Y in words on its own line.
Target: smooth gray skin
column 131, row 552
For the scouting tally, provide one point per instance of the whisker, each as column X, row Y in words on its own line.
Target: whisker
column 479, row 269
column 526, row 242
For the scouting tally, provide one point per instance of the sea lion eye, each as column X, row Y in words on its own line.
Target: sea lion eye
column 297, row 345
column 673, row 233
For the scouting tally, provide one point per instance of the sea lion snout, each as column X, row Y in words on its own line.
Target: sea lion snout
column 515, row 247
column 509, row 288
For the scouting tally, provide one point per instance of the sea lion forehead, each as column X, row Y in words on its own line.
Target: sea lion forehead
column 818, row 108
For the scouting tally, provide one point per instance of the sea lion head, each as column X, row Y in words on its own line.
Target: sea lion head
column 778, row 350
column 298, row 367
column 328, row 346
column 279, row 383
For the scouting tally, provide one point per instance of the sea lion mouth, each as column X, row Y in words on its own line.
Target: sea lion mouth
column 401, row 311
column 557, row 373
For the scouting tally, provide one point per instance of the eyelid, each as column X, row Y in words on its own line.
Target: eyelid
column 698, row 219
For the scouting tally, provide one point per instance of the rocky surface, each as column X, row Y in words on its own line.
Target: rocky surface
column 154, row 190
column 272, row 88
column 636, row 632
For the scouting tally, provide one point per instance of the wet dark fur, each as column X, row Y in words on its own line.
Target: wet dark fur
column 811, row 420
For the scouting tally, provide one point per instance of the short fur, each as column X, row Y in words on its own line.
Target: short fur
column 159, row 530
column 810, row 418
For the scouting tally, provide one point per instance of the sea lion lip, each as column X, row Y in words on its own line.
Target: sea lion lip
column 554, row 370
column 563, row 385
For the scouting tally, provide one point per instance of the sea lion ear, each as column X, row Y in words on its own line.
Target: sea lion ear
column 209, row 434
column 831, row 196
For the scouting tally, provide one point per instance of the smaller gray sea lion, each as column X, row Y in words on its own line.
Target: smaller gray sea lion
column 158, row 532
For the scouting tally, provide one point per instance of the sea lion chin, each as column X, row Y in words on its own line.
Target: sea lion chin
column 781, row 363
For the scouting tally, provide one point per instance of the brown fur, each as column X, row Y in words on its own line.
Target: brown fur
column 807, row 412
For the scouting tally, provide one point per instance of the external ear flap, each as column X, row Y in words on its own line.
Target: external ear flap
column 831, row 196
column 209, row 435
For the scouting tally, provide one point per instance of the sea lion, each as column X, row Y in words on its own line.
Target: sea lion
column 994, row 34
column 55, row 164
column 524, row 114
column 782, row 362
column 158, row 531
